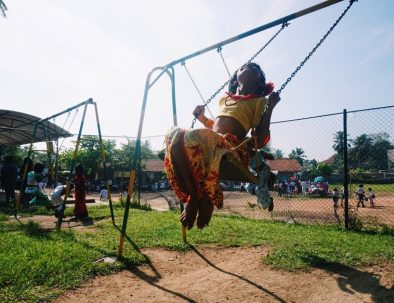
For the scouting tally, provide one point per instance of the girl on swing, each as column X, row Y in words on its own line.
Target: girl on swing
column 193, row 156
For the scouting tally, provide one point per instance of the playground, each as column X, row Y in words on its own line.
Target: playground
column 84, row 218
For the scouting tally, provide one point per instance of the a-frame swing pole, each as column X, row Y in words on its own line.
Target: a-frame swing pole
column 89, row 101
column 256, row 30
column 47, row 142
column 61, row 213
column 102, row 155
column 148, row 85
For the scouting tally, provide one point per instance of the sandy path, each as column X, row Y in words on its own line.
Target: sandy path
column 233, row 275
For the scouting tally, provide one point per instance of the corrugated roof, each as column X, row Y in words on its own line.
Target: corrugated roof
column 282, row 165
column 17, row 128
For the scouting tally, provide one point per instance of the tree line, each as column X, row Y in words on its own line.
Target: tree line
column 366, row 153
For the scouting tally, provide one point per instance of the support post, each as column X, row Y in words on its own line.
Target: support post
column 102, row 155
column 345, row 169
column 137, row 152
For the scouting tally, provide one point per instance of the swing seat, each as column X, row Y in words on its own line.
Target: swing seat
column 232, row 169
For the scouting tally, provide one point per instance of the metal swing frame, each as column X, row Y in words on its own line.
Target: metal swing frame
column 41, row 123
column 169, row 70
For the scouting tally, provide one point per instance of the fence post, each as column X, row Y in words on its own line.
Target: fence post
column 345, row 169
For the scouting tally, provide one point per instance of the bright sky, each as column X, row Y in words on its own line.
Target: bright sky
column 55, row 54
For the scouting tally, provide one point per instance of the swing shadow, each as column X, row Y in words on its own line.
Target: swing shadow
column 259, row 287
column 351, row 280
column 154, row 277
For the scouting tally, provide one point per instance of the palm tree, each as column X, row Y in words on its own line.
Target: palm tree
column 339, row 146
column 278, row 154
column 3, row 8
column 361, row 151
column 338, row 143
column 299, row 154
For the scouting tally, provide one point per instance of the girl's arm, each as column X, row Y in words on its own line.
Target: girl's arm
column 199, row 114
column 263, row 128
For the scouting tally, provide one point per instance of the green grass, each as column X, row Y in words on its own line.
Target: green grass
column 37, row 265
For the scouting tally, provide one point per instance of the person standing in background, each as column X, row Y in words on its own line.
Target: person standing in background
column 9, row 175
column 80, row 209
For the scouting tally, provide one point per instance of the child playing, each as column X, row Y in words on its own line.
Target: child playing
column 360, row 194
column 37, row 194
column 371, row 197
column 80, row 209
column 57, row 199
column 34, row 194
column 193, row 156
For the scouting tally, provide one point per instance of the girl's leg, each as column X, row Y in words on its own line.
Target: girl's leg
column 188, row 216
column 204, row 212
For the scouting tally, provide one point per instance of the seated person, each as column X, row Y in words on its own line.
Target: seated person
column 193, row 157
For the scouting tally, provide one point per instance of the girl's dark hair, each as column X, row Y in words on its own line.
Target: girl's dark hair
column 233, row 84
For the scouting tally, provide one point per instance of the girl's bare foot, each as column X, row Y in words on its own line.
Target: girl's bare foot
column 189, row 214
column 204, row 212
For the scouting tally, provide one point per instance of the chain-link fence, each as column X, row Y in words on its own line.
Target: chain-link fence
column 310, row 167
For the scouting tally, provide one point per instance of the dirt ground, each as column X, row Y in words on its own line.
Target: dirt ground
column 233, row 275
column 211, row 274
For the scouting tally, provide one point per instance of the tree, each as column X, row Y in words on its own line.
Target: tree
column 339, row 146
column 16, row 151
column 123, row 157
column 360, row 152
column 381, row 144
column 88, row 155
column 325, row 170
column 278, row 154
column 299, row 154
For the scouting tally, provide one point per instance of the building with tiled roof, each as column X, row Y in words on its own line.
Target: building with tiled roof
column 153, row 165
column 286, row 168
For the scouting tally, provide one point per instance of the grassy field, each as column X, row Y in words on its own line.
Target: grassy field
column 37, row 265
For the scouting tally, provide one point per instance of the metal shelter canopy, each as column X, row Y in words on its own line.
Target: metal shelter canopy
column 17, row 128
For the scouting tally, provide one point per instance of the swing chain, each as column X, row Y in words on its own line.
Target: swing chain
column 219, row 50
column 197, row 89
column 284, row 25
column 316, row 47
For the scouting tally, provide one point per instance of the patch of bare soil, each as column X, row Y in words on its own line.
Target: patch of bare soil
column 49, row 223
column 234, row 275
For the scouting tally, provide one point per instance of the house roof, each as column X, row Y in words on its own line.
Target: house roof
column 330, row 160
column 17, row 128
column 285, row 165
column 153, row 165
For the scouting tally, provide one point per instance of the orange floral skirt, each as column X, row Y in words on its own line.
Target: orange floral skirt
column 203, row 150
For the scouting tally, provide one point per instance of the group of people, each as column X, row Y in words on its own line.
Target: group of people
column 32, row 187
column 361, row 197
